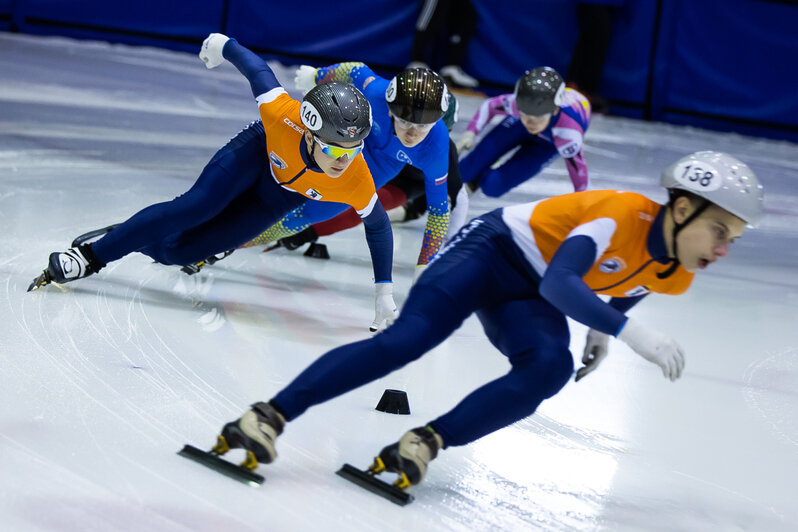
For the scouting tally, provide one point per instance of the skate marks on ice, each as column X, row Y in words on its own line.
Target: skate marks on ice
column 106, row 381
column 770, row 389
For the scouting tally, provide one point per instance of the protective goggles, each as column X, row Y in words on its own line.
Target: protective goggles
column 336, row 152
column 404, row 124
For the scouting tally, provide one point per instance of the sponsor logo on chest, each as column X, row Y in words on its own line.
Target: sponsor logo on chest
column 404, row 157
column 612, row 265
column 277, row 161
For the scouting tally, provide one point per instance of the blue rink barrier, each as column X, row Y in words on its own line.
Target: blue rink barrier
column 712, row 63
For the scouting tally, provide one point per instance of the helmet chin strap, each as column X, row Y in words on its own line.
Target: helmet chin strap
column 677, row 227
column 312, row 147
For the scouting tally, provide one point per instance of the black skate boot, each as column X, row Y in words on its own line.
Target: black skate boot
column 191, row 269
column 299, row 239
column 66, row 266
column 92, row 236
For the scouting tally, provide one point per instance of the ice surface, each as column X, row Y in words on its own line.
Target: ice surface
column 102, row 383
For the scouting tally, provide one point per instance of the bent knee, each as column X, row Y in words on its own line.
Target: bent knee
column 492, row 185
column 559, row 370
column 550, row 373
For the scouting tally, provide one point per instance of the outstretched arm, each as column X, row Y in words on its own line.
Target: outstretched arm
column 577, row 171
column 350, row 72
column 563, row 287
column 380, row 241
column 217, row 47
column 489, row 108
column 437, row 221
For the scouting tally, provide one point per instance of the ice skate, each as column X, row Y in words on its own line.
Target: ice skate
column 408, row 458
column 66, row 266
column 299, row 239
column 191, row 269
column 92, row 236
column 255, row 432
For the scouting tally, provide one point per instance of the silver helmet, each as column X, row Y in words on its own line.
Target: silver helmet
column 720, row 179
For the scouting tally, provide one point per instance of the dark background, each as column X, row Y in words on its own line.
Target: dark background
column 730, row 65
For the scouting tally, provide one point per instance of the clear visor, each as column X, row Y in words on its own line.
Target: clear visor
column 404, row 124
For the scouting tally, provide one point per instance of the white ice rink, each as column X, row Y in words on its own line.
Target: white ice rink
column 104, row 380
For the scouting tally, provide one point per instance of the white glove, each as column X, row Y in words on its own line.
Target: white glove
column 466, row 141
column 211, row 52
column 305, row 78
column 595, row 351
column 419, row 269
column 655, row 347
column 385, row 311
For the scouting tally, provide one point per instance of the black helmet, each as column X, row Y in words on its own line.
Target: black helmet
column 539, row 91
column 417, row 95
column 336, row 112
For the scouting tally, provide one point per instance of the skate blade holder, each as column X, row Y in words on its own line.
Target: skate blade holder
column 212, row 460
column 43, row 280
column 369, row 481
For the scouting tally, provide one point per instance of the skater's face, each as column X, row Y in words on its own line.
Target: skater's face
column 706, row 238
column 535, row 123
column 333, row 157
column 410, row 134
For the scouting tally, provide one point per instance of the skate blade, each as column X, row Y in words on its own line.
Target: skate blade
column 211, row 460
column 85, row 237
column 191, row 269
column 42, row 280
column 272, row 247
column 373, row 484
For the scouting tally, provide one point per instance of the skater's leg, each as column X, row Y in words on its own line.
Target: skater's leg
column 428, row 318
column 526, row 163
column 430, row 21
column 243, row 219
column 231, row 172
column 535, row 337
column 471, row 273
column 498, row 141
